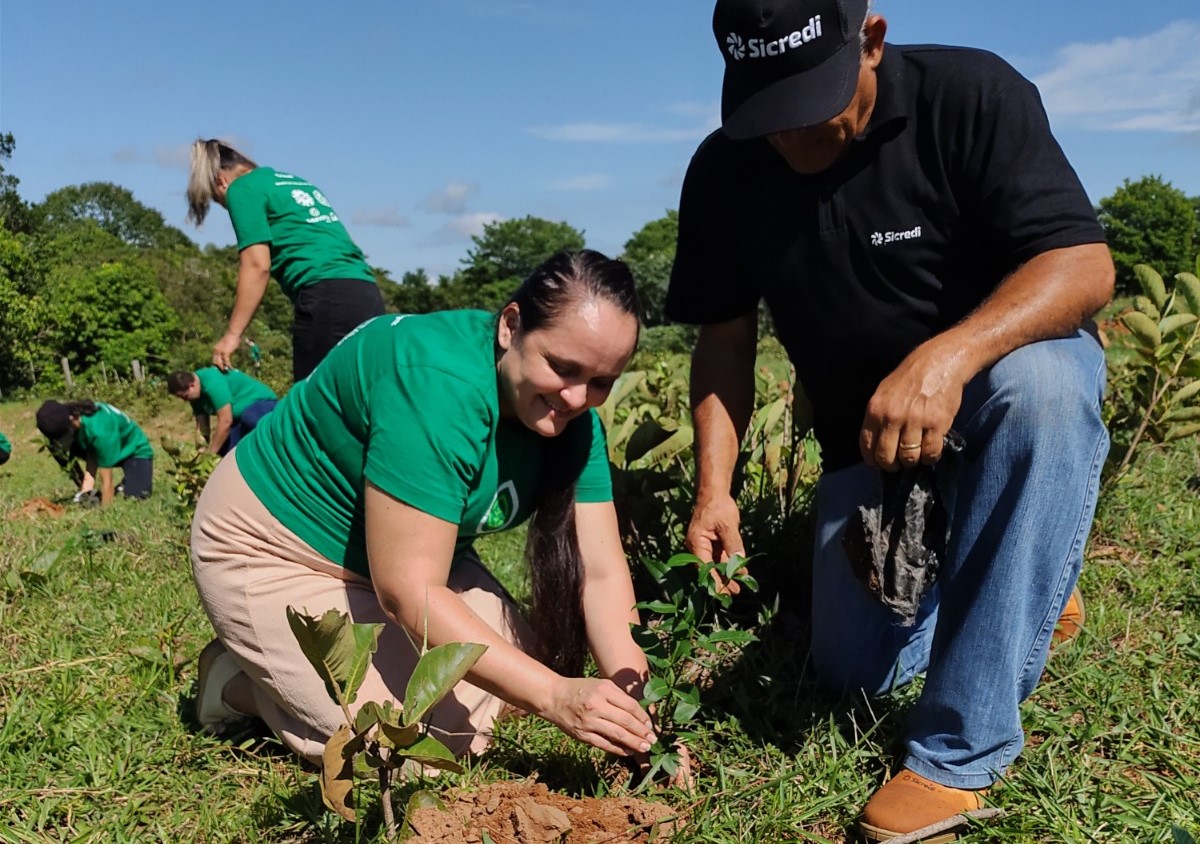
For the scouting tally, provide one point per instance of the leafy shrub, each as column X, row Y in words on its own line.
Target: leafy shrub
column 684, row 644
column 1155, row 390
column 189, row 470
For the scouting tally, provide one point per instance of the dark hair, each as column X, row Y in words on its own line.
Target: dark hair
column 82, row 408
column 552, row 546
column 179, row 381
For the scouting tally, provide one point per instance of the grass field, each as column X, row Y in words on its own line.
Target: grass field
column 100, row 628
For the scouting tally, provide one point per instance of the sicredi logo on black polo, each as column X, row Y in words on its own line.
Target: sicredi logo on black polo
column 760, row 48
column 884, row 238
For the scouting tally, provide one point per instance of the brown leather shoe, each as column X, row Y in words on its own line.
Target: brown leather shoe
column 1071, row 620
column 909, row 802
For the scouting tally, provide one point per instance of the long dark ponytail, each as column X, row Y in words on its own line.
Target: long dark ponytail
column 552, row 546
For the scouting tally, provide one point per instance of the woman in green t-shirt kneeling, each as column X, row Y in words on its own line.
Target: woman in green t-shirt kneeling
column 285, row 228
column 106, row 438
column 364, row 489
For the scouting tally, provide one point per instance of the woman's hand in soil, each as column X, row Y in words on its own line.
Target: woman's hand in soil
column 599, row 713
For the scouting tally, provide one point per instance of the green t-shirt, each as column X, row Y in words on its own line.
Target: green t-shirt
column 234, row 387
column 5, row 445
column 411, row 404
column 111, row 437
column 307, row 239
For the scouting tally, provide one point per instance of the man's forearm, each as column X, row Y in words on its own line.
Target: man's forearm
column 1049, row 296
column 218, row 438
column 722, row 396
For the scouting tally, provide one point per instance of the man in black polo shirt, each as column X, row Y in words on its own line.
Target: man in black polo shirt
column 931, row 262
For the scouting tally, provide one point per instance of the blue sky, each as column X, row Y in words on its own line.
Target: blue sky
column 424, row 119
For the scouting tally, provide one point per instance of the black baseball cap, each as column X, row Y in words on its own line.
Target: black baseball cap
column 54, row 420
column 788, row 63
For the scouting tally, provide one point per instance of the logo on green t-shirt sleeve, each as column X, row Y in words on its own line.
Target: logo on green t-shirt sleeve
column 502, row 509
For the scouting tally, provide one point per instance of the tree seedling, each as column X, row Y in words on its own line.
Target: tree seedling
column 379, row 738
column 684, row 642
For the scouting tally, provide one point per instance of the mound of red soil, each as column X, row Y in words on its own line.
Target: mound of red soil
column 35, row 507
column 529, row 813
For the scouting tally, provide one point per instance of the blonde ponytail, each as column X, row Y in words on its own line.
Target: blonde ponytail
column 209, row 158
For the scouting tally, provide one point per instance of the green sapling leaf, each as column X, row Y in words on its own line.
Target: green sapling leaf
column 1185, row 393
column 1188, row 285
column 686, row 706
column 1169, row 325
column 655, row 690
column 429, row 751
column 683, row 559
column 339, row 649
column 1144, row 328
column 399, row 737
column 438, row 671
column 659, row 607
column 1152, row 284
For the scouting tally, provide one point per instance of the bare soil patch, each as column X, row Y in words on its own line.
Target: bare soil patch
column 527, row 812
column 37, row 507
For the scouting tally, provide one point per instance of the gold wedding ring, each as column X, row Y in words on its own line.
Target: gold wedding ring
column 904, row 447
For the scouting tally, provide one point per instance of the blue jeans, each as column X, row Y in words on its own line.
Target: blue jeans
column 247, row 422
column 1020, row 502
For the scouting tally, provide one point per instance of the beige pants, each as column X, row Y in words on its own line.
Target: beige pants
column 249, row 568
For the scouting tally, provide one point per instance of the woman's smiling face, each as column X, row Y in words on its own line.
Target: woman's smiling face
column 550, row 376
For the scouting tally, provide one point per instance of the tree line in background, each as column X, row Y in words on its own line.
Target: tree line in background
column 94, row 276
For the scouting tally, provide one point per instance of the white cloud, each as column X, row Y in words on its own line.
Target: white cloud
column 452, row 199
column 1148, row 83
column 176, row 157
column 390, row 217
column 709, row 112
column 618, row 133
column 463, row 227
column 704, row 118
column 582, row 182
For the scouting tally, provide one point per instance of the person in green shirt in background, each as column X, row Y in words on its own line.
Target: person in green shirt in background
column 364, row 490
column 238, row 401
column 5, row 449
column 106, row 438
column 255, row 354
column 285, row 228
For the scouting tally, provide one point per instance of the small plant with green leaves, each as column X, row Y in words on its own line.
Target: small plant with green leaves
column 1157, row 391
column 26, row 573
column 190, row 469
column 380, row 738
column 684, row 643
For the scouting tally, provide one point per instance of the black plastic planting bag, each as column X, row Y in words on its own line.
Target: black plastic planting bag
column 897, row 544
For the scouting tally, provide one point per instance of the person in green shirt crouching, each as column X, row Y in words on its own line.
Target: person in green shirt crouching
column 238, row 401
column 364, row 490
column 5, row 449
column 106, row 438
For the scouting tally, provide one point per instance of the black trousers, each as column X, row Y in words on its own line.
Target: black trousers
column 325, row 313
column 139, row 477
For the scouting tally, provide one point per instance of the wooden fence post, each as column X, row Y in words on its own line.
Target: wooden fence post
column 67, row 372
column 137, row 370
